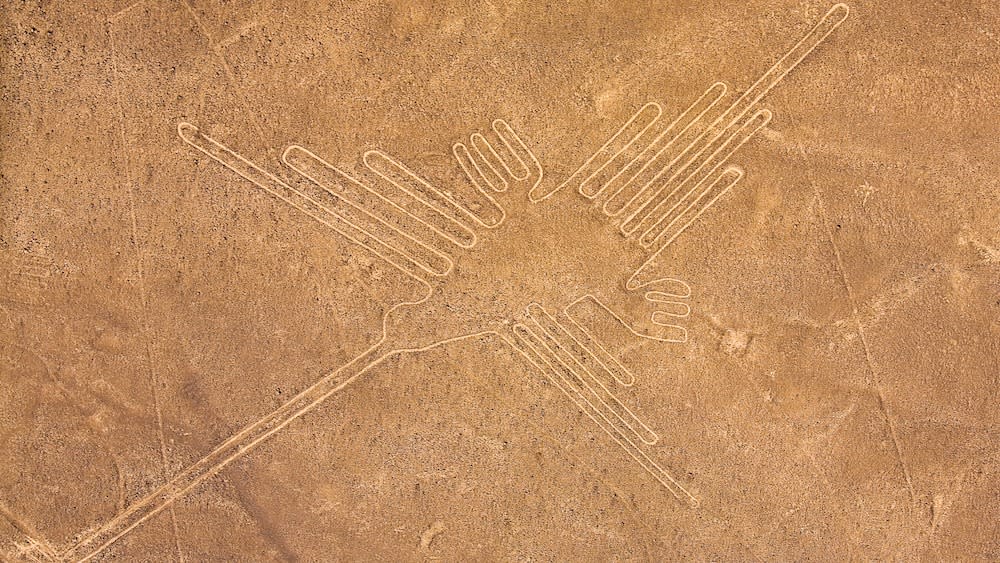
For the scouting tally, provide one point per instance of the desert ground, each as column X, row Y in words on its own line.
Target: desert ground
column 385, row 280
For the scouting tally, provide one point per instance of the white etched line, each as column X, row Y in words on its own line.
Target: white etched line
column 471, row 169
column 620, row 141
column 271, row 184
column 387, row 202
column 609, row 365
column 774, row 75
column 488, row 156
column 518, row 151
column 532, row 349
column 518, row 165
column 630, row 184
column 722, row 183
column 555, row 338
column 668, row 203
column 488, row 215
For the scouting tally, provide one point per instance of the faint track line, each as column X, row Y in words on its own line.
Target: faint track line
column 875, row 380
column 216, row 50
column 141, row 284
column 32, row 545
column 120, row 13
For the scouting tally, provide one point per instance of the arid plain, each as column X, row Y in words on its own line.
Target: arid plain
column 521, row 281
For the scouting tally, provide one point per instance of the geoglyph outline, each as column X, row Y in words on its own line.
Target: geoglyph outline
column 559, row 346
column 588, row 391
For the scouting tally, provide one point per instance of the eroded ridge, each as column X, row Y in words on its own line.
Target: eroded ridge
column 655, row 180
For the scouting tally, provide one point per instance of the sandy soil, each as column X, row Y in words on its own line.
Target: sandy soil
column 532, row 281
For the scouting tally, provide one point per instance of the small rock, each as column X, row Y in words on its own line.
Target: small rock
column 735, row 342
column 108, row 342
column 430, row 533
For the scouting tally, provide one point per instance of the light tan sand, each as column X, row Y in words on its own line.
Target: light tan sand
column 520, row 281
